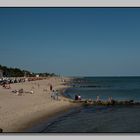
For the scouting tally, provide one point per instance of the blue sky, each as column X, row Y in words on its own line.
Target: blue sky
column 71, row 41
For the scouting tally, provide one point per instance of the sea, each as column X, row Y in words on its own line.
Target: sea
column 99, row 119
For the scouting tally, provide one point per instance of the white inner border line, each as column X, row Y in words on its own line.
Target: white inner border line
column 70, row 3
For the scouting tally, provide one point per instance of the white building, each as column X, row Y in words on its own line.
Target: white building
column 37, row 75
column 1, row 73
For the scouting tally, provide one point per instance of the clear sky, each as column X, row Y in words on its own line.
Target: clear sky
column 71, row 41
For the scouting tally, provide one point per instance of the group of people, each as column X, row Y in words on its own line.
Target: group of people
column 54, row 95
column 11, row 80
column 6, row 85
column 77, row 97
column 21, row 91
column 109, row 99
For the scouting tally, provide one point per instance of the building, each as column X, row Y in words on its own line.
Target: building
column 37, row 75
column 1, row 73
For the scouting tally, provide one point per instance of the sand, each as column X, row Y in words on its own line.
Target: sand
column 20, row 112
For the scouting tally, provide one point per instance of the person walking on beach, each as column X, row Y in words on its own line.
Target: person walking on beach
column 50, row 87
column 57, row 94
column 53, row 95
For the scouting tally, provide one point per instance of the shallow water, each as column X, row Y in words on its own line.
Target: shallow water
column 96, row 119
column 119, row 88
column 99, row 119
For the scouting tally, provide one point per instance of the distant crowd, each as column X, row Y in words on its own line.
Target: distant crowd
column 6, row 81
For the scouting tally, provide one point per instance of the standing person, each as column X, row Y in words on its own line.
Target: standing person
column 76, row 97
column 97, row 98
column 53, row 95
column 110, row 99
column 50, row 87
column 79, row 97
column 57, row 94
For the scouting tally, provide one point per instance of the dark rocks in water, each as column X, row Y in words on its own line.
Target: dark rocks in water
column 88, row 86
column 89, row 101
column 131, row 101
column 127, row 103
column 137, row 103
column 85, row 86
column 108, row 103
column 120, row 102
column 113, row 102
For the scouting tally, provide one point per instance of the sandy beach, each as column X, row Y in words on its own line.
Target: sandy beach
column 18, row 112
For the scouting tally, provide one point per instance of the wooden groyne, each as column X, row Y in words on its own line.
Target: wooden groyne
column 106, row 103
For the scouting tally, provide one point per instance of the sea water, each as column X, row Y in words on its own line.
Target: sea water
column 119, row 88
column 104, row 119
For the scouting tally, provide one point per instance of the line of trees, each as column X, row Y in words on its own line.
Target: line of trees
column 16, row 72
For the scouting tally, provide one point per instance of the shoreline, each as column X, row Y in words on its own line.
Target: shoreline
column 47, row 116
column 44, row 117
column 32, row 109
